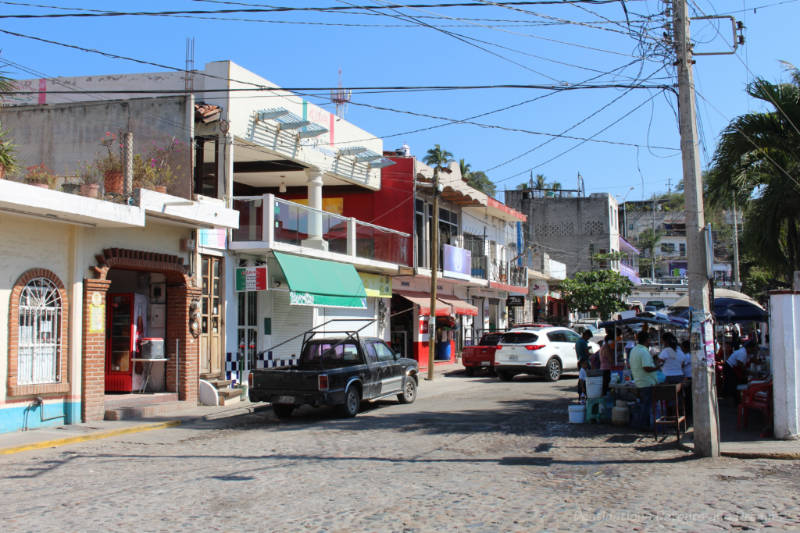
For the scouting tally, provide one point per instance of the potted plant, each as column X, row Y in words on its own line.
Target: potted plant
column 110, row 165
column 159, row 168
column 41, row 176
column 7, row 154
column 90, row 180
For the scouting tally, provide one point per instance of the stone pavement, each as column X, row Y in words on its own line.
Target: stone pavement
column 486, row 456
column 54, row 436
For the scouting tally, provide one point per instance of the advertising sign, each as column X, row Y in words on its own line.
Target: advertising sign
column 212, row 238
column 457, row 262
column 251, row 279
column 376, row 285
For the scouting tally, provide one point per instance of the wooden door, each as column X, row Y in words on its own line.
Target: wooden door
column 210, row 316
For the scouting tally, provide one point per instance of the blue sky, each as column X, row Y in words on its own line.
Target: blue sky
column 550, row 45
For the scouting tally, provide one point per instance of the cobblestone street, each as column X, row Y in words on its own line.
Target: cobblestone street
column 484, row 456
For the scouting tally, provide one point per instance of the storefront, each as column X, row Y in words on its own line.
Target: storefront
column 299, row 294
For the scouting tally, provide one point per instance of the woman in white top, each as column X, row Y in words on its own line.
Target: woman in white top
column 672, row 362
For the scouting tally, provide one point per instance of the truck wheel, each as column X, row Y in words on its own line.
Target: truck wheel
column 352, row 402
column 409, row 393
column 282, row 410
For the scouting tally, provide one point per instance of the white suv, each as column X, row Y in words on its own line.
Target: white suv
column 544, row 351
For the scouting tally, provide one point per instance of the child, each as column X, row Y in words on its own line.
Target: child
column 583, row 365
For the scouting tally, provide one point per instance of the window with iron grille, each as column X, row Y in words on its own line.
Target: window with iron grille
column 39, row 348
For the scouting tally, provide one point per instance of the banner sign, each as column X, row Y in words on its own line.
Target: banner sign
column 376, row 285
column 251, row 279
column 457, row 262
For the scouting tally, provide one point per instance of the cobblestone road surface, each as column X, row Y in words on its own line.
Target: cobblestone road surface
column 486, row 456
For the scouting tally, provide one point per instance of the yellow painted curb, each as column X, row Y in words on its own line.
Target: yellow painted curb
column 85, row 438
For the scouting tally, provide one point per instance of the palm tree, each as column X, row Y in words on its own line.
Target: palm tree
column 540, row 183
column 438, row 158
column 556, row 186
column 757, row 163
column 466, row 172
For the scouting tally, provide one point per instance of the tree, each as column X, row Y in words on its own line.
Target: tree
column 481, row 181
column 757, row 163
column 465, row 169
column 438, row 158
column 556, row 186
column 600, row 290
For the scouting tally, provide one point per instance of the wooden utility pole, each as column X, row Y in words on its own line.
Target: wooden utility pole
column 434, row 269
column 706, row 424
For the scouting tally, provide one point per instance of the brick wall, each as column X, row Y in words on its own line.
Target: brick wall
column 179, row 299
column 93, row 373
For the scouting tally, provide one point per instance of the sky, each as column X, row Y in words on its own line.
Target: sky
column 595, row 102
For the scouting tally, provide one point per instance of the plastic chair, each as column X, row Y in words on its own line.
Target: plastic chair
column 594, row 406
column 757, row 396
column 671, row 398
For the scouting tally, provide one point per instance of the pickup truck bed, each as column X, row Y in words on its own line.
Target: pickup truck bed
column 480, row 356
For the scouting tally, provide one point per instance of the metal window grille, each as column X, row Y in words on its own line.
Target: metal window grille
column 39, row 347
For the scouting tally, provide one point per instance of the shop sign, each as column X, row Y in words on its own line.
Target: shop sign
column 376, row 285
column 251, row 278
column 212, row 238
column 515, row 300
column 457, row 262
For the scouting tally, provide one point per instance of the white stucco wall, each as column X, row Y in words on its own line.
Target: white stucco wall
column 784, row 327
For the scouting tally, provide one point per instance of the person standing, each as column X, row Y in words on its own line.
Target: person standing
column 672, row 362
column 735, row 370
column 606, row 356
column 643, row 370
column 582, row 348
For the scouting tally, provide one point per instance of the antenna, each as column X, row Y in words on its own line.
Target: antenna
column 340, row 97
column 188, row 76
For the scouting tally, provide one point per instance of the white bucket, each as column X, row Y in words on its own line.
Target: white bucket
column 594, row 386
column 577, row 414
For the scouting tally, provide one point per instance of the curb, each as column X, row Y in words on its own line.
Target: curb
column 84, row 438
column 792, row 456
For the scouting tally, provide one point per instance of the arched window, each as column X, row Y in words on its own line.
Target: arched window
column 39, row 349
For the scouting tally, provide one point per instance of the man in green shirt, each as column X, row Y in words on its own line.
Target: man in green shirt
column 643, row 371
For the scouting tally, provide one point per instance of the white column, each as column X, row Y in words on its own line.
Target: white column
column 315, row 239
column 784, row 330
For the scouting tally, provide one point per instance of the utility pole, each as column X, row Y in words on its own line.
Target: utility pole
column 736, row 278
column 653, row 250
column 706, row 424
column 434, row 269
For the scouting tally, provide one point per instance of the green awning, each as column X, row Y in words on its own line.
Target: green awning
column 320, row 282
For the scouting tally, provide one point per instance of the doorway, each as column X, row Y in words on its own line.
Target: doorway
column 247, row 329
column 210, row 316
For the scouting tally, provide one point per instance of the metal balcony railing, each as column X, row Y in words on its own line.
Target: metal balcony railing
column 268, row 219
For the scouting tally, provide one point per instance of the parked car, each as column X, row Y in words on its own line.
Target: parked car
column 546, row 352
column 598, row 334
column 480, row 356
column 337, row 371
column 657, row 304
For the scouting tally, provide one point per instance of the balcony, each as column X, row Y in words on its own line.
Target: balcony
column 268, row 222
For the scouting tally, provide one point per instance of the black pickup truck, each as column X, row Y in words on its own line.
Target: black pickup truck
column 336, row 371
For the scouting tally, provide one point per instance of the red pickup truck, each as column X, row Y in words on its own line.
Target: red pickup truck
column 481, row 355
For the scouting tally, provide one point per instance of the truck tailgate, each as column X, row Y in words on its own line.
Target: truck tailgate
column 277, row 380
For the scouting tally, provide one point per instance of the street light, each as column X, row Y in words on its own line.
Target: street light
column 625, row 214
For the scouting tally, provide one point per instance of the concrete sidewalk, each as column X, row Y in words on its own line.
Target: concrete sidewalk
column 446, row 378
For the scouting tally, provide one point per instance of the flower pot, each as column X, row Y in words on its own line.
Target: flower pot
column 114, row 182
column 92, row 190
column 160, row 188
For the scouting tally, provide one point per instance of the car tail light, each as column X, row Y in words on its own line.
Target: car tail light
column 534, row 346
column 250, row 380
column 322, row 382
column 499, row 347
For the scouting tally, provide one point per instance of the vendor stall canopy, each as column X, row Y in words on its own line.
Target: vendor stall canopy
column 729, row 306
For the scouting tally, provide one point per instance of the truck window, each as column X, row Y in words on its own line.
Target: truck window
column 384, row 352
column 372, row 357
column 330, row 354
column 490, row 339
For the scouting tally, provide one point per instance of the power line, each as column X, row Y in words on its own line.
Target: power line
column 279, row 9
